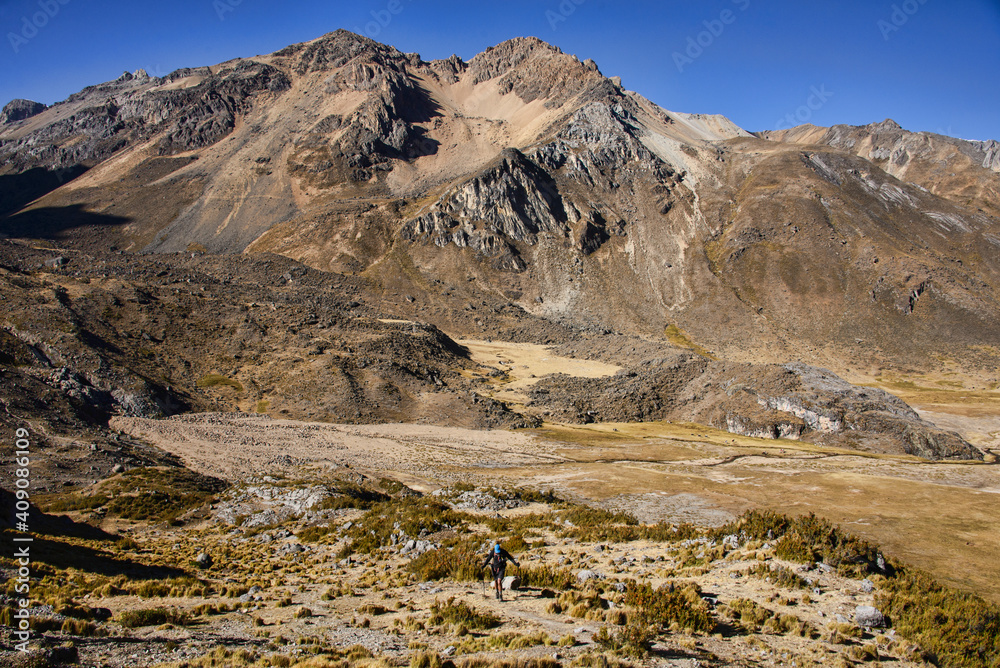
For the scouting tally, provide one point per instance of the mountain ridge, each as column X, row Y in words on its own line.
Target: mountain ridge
column 527, row 180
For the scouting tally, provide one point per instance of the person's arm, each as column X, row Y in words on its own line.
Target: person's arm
column 509, row 556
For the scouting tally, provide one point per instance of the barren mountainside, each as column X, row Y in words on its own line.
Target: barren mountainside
column 519, row 195
column 289, row 342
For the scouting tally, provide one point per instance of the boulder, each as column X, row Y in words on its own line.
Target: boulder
column 511, row 582
column 204, row 560
column 868, row 617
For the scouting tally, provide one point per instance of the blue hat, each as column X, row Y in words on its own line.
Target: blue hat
column 496, row 548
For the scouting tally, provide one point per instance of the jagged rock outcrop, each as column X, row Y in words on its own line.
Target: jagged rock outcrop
column 104, row 119
column 202, row 115
column 765, row 401
column 991, row 153
column 534, row 70
column 513, row 201
column 19, row 110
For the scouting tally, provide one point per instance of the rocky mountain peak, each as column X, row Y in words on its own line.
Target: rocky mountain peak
column 18, row 110
column 534, row 69
column 335, row 50
column 887, row 125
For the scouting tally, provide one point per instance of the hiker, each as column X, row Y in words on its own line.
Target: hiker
column 497, row 561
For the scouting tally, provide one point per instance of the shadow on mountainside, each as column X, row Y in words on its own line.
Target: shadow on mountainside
column 19, row 190
column 52, row 223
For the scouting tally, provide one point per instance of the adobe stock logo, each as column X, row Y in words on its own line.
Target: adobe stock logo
column 815, row 101
column 898, row 18
column 566, row 8
column 697, row 44
column 48, row 9
column 223, row 7
column 382, row 18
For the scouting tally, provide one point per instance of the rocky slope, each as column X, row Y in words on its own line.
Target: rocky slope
column 520, row 195
column 960, row 170
column 792, row 401
column 89, row 337
column 545, row 181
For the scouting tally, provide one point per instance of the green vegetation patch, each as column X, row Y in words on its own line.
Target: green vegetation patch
column 779, row 575
column 459, row 562
column 148, row 493
column 348, row 494
column 808, row 538
column 410, row 516
column 679, row 338
column 218, row 380
column 960, row 629
column 669, row 605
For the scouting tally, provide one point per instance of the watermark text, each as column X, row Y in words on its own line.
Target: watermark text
column 22, row 540
column 30, row 25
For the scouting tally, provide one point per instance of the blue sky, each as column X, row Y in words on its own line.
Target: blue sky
column 928, row 64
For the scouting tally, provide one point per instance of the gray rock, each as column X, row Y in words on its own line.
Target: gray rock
column 19, row 110
column 867, row 586
column 868, row 617
column 204, row 560
column 291, row 548
column 585, row 575
column 511, row 582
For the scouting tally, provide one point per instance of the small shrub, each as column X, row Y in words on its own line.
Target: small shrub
column 372, row 609
column 79, row 627
column 547, row 576
column 459, row 563
column 314, row 534
column 633, row 640
column 865, row 652
column 670, row 605
column 424, row 659
column 513, row 640
column 132, row 619
column 779, row 575
column 461, row 613
column 749, row 614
